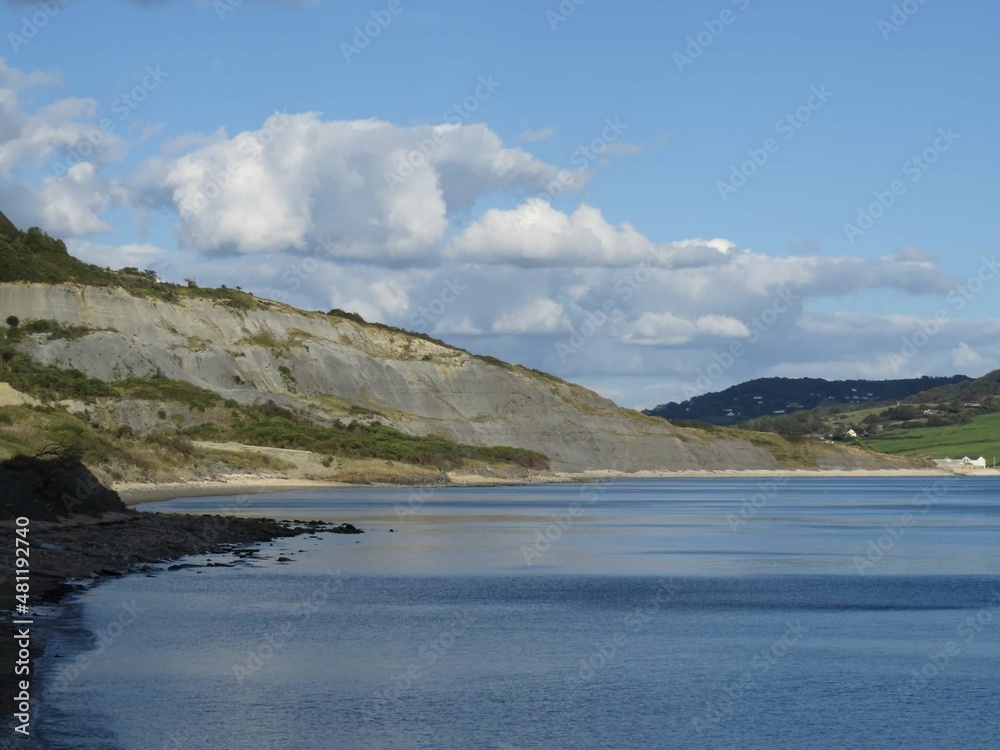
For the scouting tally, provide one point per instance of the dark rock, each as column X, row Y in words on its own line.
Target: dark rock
column 51, row 485
column 347, row 528
column 284, row 559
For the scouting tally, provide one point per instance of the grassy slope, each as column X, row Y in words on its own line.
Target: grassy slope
column 981, row 437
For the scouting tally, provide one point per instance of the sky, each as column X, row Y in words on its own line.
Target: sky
column 652, row 199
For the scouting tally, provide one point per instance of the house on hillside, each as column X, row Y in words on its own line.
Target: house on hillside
column 851, row 434
column 974, row 463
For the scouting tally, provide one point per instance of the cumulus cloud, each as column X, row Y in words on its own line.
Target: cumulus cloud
column 68, row 206
column 364, row 190
column 537, row 317
column 17, row 79
column 910, row 254
column 535, row 233
column 965, row 357
column 65, row 127
column 667, row 329
column 136, row 255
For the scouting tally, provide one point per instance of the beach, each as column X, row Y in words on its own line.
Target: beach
column 135, row 493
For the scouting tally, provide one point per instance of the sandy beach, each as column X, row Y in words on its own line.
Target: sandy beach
column 135, row 493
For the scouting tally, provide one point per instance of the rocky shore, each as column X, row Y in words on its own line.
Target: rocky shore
column 80, row 532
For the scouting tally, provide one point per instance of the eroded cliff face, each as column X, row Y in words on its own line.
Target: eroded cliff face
column 309, row 360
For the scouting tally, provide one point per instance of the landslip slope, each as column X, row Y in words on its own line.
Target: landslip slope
column 310, row 360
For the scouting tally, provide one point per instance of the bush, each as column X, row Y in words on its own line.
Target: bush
column 268, row 424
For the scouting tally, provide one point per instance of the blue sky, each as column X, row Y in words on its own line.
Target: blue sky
column 532, row 278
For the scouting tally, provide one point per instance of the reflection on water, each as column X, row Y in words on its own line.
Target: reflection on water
column 821, row 613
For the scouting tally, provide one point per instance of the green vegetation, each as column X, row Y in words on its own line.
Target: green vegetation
column 52, row 329
column 980, row 437
column 267, row 340
column 272, row 425
column 46, row 382
column 36, row 257
column 165, row 389
column 288, row 377
column 265, row 425
column 30, row 430
column 338, row 313
column 779, row 398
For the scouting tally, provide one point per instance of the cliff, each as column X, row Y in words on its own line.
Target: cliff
column 149, row 380
column 331, row 367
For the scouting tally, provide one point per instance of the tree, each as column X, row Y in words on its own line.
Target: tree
column 13, row 321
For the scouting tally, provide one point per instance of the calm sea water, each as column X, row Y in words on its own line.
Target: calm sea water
column 805, row 613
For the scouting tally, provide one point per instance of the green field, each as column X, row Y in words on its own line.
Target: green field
column 981, row 437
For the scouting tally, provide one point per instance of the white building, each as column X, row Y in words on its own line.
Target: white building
column 974, row 463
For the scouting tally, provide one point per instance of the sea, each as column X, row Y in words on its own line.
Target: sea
column 774, row 613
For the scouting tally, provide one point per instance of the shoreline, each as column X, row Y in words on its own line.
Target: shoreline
column 137, row 493
column 72, row 555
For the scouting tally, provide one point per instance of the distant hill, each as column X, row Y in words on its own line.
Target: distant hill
column 966, row 390
column 767, row 397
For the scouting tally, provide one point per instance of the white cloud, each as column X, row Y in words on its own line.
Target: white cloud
column 910, row 254
column 68, row 206
column 535, row 233
column 965, row 357
column 539, row 316
column 663, row 329
column 62, row 129
column 364, row 189
column 17, row 79
column 534, row 136
column 137, row 255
